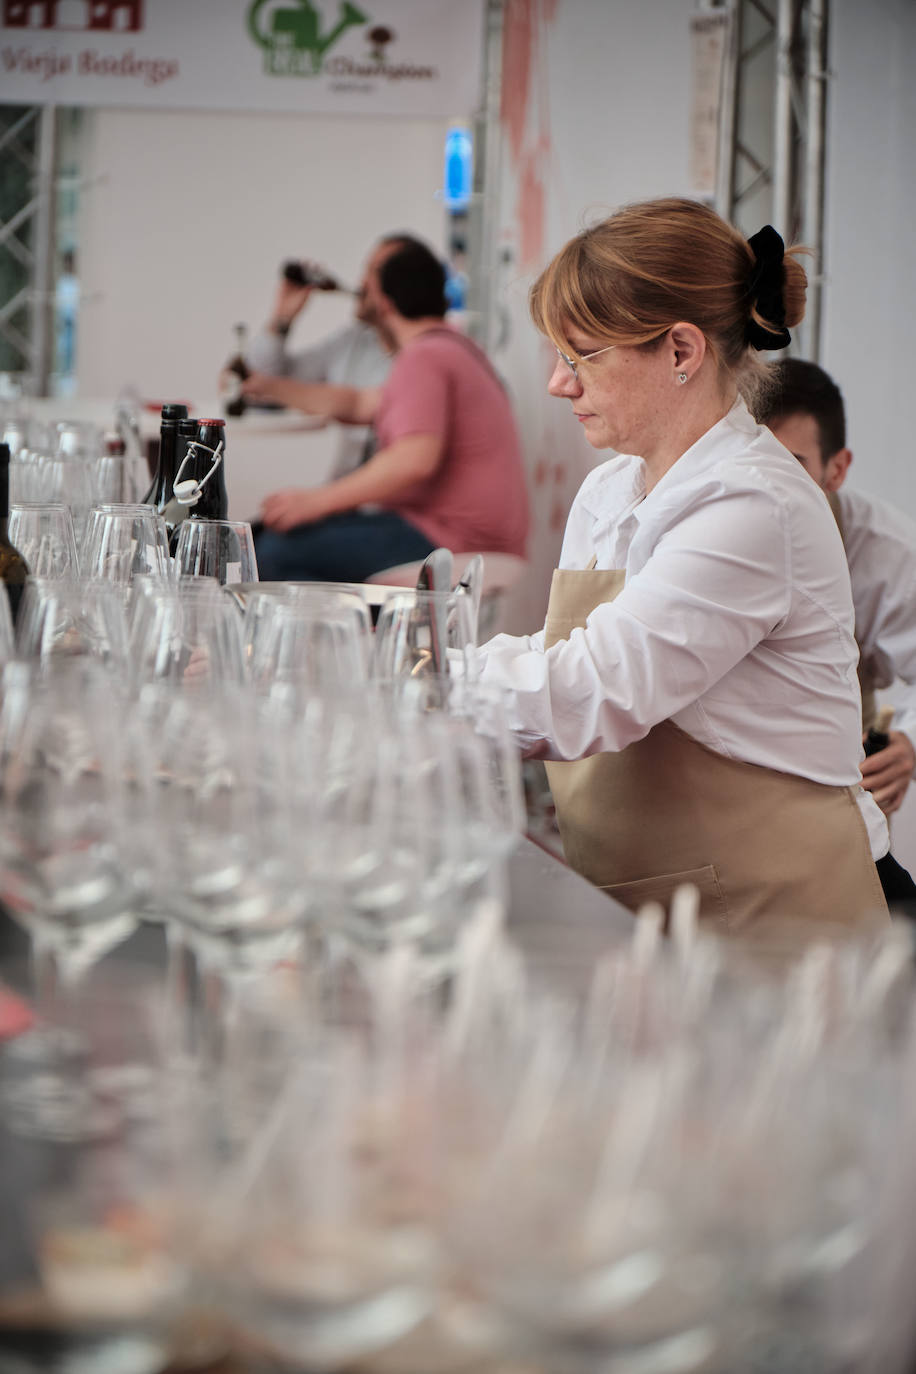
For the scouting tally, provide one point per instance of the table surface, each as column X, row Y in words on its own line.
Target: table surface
column 558, row 919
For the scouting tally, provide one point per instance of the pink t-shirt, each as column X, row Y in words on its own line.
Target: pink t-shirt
column 441, row 383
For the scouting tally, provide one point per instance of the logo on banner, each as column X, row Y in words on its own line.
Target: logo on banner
column 295, row 43
column 297, row 40
column 91, row 16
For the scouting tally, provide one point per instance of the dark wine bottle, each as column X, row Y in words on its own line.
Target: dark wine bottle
column 13, row 567
column 237, row 371
column 160, row 492
column 199, row 491
column 307, row 274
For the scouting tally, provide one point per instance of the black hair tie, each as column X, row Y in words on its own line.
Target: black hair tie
column 765, row 290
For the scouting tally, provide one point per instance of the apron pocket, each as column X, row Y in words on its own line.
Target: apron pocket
column 661, row 888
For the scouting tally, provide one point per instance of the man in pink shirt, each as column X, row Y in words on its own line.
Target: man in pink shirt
column 447, row 469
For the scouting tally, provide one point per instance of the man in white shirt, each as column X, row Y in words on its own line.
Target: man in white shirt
column 358, row 354
column 805, row 411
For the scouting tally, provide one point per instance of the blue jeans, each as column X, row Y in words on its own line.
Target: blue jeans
column 344, row 548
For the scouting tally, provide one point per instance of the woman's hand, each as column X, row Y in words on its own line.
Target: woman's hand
column 292, row 506
column 888, row 773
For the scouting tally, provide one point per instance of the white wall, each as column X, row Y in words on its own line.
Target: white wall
column 870, row 294
column 188, row 215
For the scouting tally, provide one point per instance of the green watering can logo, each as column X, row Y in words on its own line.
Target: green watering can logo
column 292, row 39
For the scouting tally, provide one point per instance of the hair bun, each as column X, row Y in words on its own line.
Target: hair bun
column 765, row 291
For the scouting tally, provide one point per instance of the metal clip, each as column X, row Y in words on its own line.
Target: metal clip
column 188, row 493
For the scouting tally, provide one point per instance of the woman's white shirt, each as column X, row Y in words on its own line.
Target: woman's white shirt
column 735, row 621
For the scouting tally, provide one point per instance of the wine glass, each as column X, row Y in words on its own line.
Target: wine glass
column 384, row 840
column 78, row 440
column 43, row 534
column 185, row 632
column 66, row 841
column 229, row 814
column 261, row 600
column 45, row 479
column 61, row 619
column 223, row 549
column 315, row 643
column 123, row 540
column 119, row 478
column 415, row 631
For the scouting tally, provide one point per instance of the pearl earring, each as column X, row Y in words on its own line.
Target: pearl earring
column 682, row 377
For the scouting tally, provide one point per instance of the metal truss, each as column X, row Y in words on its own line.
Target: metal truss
column 27, row 150
column 772, row 131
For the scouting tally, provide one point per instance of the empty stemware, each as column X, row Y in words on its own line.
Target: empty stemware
column 65, row 619
column 65, row 870
column 416, row 630
column 307, row 643
column 43, row 534
column 223, row 549
column 185, row 632
column 123, row 540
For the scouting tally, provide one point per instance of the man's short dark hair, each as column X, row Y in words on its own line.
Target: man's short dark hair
column 801, row 388
column 413, row 279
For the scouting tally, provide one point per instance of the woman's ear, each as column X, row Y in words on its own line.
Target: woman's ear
column 689, row 345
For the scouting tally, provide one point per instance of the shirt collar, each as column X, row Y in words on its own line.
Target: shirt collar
column 618, row 490
column 708, row 450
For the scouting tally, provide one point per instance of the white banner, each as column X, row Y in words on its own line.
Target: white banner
column 376, row 57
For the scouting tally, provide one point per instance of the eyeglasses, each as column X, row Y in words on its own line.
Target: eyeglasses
column 573, row 363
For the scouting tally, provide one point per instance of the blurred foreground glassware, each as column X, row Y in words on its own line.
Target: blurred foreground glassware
column 326, row 1253
column 223, row 549
column 7, row 634
column 93, row 1248
column 43, row 531
column 64, row 619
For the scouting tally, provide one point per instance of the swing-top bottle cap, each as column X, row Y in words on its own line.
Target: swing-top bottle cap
column 174, row 410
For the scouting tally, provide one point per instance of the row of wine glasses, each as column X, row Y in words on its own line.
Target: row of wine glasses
column 363, row 809
column 190, row 631
column 123, row 540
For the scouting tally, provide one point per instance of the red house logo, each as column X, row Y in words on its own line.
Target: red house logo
column 112, row 16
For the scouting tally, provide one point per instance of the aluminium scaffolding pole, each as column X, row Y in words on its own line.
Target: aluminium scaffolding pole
column 772, row 151
column 28, row 141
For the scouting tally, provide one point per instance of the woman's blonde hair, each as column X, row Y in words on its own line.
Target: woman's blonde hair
column 629, row 278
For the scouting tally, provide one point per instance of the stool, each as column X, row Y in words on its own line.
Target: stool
column 501, row 572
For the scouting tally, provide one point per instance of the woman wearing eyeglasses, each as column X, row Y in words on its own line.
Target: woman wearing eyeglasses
column 694, row 687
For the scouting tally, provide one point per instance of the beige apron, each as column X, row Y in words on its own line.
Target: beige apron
column 866, row 680
column 760, row 845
